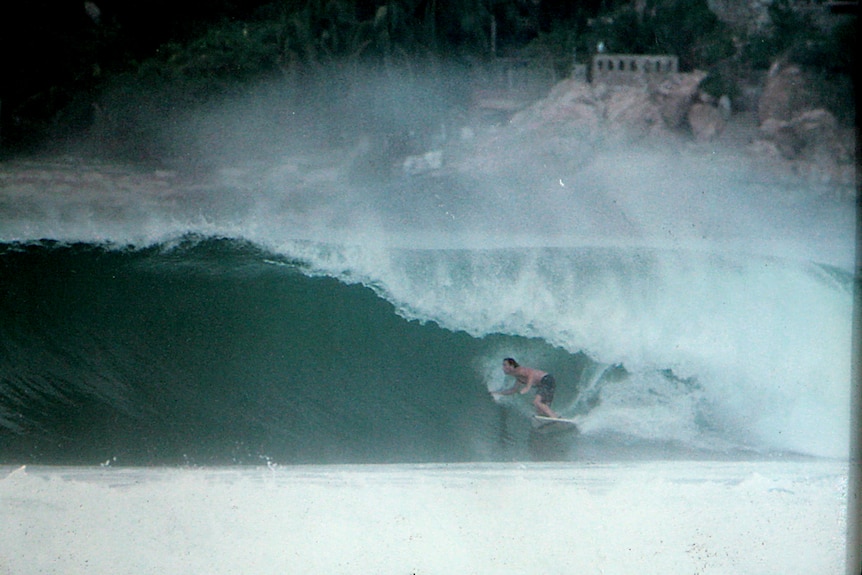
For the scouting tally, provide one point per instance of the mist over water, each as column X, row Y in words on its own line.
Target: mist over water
column 692, row 299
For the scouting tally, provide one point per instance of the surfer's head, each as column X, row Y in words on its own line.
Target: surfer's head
column 509, row 364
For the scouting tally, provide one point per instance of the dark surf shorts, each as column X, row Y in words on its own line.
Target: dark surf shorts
column 546, row 388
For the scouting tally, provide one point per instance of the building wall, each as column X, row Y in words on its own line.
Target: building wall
column 632, row 68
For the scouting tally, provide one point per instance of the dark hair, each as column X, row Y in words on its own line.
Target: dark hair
column 511, row 362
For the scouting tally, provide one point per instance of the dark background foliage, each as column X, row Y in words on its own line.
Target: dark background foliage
column 63, row 63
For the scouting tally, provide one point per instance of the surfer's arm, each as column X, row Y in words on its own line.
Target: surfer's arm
column 511, row 391
column 531, row 380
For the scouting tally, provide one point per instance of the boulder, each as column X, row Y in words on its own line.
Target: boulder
column 633, row 112
column 637, row 110
column 675, row 96
column 706, row 122
column 787, row 91
column 811, row 133
column 812, row 144
column 797, row 130
column 570, row 102
column 783, row 137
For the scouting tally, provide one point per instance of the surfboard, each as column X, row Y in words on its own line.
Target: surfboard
column 542, row 424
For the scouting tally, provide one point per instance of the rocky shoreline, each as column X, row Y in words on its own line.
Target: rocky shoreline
column 784, row 134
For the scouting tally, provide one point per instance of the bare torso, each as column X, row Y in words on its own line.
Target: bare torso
column 527, row 374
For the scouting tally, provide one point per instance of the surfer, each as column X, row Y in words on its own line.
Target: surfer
column 529, row 378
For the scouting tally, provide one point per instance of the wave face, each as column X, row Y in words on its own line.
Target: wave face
column 210, row 349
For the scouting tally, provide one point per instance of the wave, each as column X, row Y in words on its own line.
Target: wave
column 214, row 349
column 286, row 311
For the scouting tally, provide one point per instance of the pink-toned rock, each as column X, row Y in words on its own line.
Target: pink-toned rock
column 706, row 122
column 633, row 112
column 812, row 144
column 569, row 102
column 676, row 95
column 786, row 92
column 782, row 135
column 788, row 131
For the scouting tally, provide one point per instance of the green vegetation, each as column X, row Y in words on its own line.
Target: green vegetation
column 304, row 42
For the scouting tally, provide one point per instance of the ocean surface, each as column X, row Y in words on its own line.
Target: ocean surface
column 150, row 323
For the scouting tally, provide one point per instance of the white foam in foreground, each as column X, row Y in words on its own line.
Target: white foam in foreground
column 641, row 517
